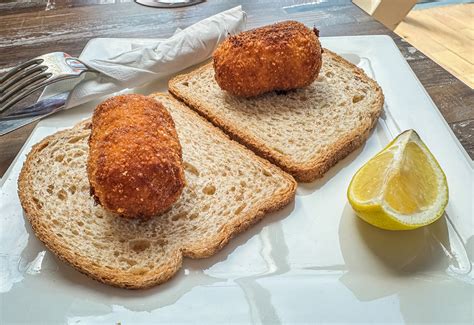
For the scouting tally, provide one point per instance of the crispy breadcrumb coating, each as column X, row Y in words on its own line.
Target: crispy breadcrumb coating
column 281, row 56
column 135, row 164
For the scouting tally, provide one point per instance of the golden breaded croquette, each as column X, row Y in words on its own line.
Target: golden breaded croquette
column 135, row 166
column 281, row 56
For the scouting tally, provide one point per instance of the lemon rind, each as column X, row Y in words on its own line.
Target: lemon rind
column 380, row 214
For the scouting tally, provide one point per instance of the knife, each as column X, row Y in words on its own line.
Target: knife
column 16, row 118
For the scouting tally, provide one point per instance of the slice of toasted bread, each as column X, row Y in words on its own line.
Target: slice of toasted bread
column 305, row 131
column 228, row 189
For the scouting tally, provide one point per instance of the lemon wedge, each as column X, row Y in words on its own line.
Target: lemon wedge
column 402, row 187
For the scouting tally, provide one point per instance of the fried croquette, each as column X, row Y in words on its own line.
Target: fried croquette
column 135, row 166
column 281, row 56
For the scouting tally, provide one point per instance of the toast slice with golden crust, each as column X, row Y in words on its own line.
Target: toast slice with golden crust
column 305, row 131
column 228, row 189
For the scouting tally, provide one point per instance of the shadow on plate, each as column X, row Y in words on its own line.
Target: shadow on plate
column 372, row 250
column 376, row 259
column 414, row 265
column 305, row 189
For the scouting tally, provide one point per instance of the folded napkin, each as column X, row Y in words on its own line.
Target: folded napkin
column 153, row 59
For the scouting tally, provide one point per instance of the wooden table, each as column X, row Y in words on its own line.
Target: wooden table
column 29, row 29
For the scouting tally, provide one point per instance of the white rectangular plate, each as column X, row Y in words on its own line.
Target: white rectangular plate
column 314, row 261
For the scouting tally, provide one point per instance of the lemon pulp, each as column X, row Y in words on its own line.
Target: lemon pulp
column 402, row 187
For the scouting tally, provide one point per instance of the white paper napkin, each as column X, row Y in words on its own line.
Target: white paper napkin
column 155, row 59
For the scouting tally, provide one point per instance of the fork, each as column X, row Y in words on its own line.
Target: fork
column 31, row 76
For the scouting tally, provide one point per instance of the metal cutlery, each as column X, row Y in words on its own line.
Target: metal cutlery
column 29, row 77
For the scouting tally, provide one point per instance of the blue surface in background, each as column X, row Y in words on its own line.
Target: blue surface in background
column 424, row 4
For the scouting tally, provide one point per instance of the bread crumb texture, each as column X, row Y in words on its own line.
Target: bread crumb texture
column 305, row 131
column 228, row 189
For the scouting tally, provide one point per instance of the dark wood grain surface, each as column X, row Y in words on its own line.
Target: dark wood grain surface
column 29, row 28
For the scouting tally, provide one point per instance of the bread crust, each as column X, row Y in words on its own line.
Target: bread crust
column 117, row 277
column 319, row 164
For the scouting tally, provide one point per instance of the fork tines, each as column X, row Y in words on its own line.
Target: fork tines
column 21, row 81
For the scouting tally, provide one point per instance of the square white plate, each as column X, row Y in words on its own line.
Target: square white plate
column 314, row 261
